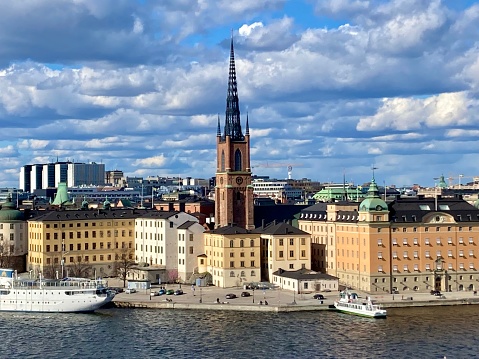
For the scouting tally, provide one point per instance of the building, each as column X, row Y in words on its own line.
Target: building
column 42, row 176
column 283, row 246
column 171, row 239
column 80, row 242
column 305, row 281
column 13, row 237
column 276, row 189
column 231, row 256
column 234, row 192
column 410, row 244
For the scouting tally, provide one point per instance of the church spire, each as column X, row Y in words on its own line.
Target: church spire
column 218, row 132
column 247, row 124
column 232, row 120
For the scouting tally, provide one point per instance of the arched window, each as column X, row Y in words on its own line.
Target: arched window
column 253, row 273
column 242, row 273
column 237, row 160
column 251, row 243
column 222, row 168
column 241, row 243
column 231, row 244
column 238, row 196
column 232, row 274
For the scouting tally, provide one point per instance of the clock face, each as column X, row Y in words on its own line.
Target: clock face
column 239, row 180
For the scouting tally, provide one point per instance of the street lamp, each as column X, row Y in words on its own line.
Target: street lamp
column 201, row 296
column 253, row 294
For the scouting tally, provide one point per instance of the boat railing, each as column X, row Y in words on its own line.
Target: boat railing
column 76, row 283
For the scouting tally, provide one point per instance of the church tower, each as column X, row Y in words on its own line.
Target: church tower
column 234, row 192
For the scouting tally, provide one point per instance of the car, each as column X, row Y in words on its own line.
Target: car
column 162, row 291
column 130, row 291
column 230, row 296
column 318, row 296
column 395, row 291
column 245, row 294
column 154, row 294
column 437, row 293
column 178, row 292
column 170, row 292
column 326, row 290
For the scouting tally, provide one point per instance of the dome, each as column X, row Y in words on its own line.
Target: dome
column 373, row 202
column 9, row 212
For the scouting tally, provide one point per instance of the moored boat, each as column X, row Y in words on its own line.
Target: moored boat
column 68, row 295
column 350, row 303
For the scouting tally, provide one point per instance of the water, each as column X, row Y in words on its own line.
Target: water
column 136, row 333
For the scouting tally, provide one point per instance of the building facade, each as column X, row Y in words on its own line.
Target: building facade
column 13, row 237
column 412, row 244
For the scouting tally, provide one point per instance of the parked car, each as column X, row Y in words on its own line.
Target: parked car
column 245, row 294
column 437, row 293
column 130, row 291
column 178, row 292
column 326, row 290
column 318, row 296
column 230, row 296
column 170, row 292
column 154, row 294
column 162, row 291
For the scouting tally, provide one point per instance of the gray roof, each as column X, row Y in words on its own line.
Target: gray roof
column 303, row 274
column 68, row 215
column 281, row 228
column 186, row 225
column 231, row 229
column 158, row 214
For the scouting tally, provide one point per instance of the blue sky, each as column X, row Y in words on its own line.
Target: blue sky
column 331, row 86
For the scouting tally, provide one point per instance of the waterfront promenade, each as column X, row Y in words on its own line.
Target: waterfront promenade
column 279, row 300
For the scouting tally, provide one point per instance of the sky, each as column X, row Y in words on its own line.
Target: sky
column 331, row 87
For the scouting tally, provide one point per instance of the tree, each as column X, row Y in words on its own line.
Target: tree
column 6, row 256
column 172, row 275
column 123, row 263
column 79, row 268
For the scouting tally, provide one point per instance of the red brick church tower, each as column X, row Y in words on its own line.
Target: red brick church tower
column 234, row 192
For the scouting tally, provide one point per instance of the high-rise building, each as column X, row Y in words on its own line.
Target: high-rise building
column 234, row 192
column 42, row 176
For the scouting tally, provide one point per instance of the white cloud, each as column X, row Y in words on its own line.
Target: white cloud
column 245, row 30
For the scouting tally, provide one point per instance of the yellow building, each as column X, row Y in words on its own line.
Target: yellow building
column 232, row 256
column 80, row 242
column 283, row 246
column 412, row 244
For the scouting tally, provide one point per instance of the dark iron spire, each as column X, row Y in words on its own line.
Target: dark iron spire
column 232, row 121
column 218, row 133
column 247, row 124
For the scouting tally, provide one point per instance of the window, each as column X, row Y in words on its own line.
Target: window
column 395, row 268
column 438, row 241
column 232, row 274
column 449, row 240
column 242, row 263
column 395, row 255
column 449, row 253
column 461, row 240
column 237, row 160
column 232, row 264
column 291, row 266
column 280, row 254
column 79, row 247
column 380, row 255
column 415, row 241
column 461, row 265
column 404, row 242
column 416, row 268
column 231, row 244
column 242, row 254
column 461, row 253
column 416, row 254
column 48, row 248
column 395, row 242
column 471, row 253
column 471, row 241
column 252, row 263
column 405, row 255
column 291, row 254
column 281, row 241
column 380, row 269
column 471, row 265
column 406, row 268
column 241, row 243
column 428, row 254
column 291, row 241
column 303, row 253
column 428, row 267
column 380, row 242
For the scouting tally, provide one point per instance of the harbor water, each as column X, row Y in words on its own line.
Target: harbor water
column 142, row 333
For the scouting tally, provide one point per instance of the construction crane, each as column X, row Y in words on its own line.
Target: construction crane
column 289, row 166
column 459, row 178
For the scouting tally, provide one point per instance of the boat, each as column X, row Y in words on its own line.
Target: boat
column 67, row 295
column 350, row 303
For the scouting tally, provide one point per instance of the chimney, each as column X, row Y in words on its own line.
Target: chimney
column 171, row 206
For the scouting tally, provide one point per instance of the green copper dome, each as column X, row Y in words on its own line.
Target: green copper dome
column 9, row 212
column 373, row 201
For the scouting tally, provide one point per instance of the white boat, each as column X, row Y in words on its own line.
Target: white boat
column 68, row 295
column 350, row 303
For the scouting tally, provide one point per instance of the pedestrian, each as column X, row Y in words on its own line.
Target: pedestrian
column 265, row 302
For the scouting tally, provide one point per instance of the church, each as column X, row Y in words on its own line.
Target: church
column 237, row 253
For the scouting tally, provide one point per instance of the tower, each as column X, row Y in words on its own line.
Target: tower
column 234, row 192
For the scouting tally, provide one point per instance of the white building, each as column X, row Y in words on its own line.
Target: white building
column 305, row 281
column 171, row 239
column 275, row 189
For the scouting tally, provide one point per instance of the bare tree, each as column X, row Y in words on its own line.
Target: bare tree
column 124, row 261
column 51, row 270
column 79, row 268
column 172, row 275
column 6, row 256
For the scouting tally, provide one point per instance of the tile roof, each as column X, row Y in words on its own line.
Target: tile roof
column 69, row 215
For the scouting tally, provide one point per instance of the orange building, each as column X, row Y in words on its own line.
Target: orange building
column 411, row 244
